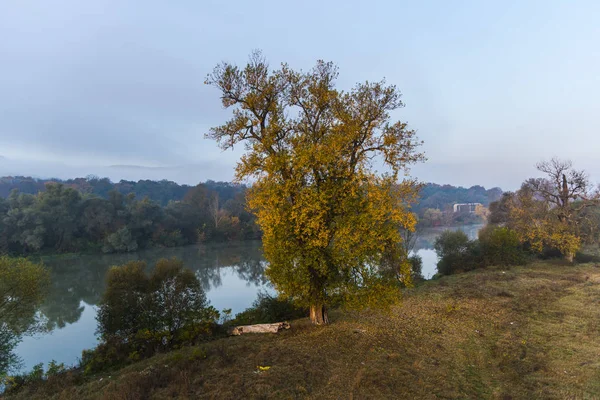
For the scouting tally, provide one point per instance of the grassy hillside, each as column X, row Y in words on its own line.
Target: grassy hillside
column 520, row 333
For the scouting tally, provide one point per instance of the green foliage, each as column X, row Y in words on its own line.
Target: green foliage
column 8, row 359
column 267, row 308
column 176, row 299
column 501, row 246
column 69, row 217
column 14, row 383
column 167, row 300
column 416, row 267
column 23, row 287
column 588, row 227
column 141, row 314
column 496, row 246
column 451, row 248
column 456, row 253
column 120, row 241
column 55, row 368
column 121, row 311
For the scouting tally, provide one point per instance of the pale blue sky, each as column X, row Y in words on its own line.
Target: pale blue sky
column 491, row 87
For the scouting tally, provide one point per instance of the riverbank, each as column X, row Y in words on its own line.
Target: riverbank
column 231, row 274
column 520, row 333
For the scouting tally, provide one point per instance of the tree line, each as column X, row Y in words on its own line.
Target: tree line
column 433, row 208
column 64, row 219
column 161, row 192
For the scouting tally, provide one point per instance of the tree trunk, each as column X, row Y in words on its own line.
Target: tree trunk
column 318, row 314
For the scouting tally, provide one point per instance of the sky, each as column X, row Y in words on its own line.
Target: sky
column 116, row 88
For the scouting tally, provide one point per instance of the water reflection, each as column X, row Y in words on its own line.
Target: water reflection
column 230, row 273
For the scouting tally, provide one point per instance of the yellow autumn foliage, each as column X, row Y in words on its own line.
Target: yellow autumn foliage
column 537, row 224
column 330, row 220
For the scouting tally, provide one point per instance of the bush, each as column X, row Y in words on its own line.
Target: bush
column 456, row 253
column 496, row 246
column 13, row 384
column 267, row 308
column 416, row 267
column 121, row 310
column 140, row 314
column 501, row 246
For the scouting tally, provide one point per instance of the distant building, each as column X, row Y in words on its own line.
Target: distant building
column 466, row 207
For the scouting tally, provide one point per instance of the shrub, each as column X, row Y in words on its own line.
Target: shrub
column 501, row 246
column 267, row 308
column 456, row 253
column 121, row 310
column 176, row 299
column 140, row 314
column 416, row 267
column 496, row 246
column 13, row 384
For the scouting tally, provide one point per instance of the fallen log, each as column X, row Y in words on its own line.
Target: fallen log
column 259, row 328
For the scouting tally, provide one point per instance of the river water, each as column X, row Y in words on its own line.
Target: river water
column 231, row 274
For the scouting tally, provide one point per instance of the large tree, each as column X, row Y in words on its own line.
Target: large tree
column 567, row 190
column 550, row 212
column 330, row 219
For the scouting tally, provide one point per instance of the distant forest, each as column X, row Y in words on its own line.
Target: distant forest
column 435, row 207
column 95, row 214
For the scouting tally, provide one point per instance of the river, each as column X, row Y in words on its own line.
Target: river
column 231, row 274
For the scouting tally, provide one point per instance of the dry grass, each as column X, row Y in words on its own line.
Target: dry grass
column 524, row 333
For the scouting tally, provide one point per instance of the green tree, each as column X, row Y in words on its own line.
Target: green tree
column 96, row 218
column 23, row 286
column 163, row 303
column 457, row 253
column 24, row 224
column 176, row 298
column 59, row 208
column 501, row 246
column 121, row 312
column 120, row 241
column 327, row 216
column 144, row 218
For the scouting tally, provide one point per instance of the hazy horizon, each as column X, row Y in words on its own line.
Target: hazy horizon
column 491, row 88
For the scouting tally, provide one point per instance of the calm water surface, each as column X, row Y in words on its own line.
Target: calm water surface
column 231, row 274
